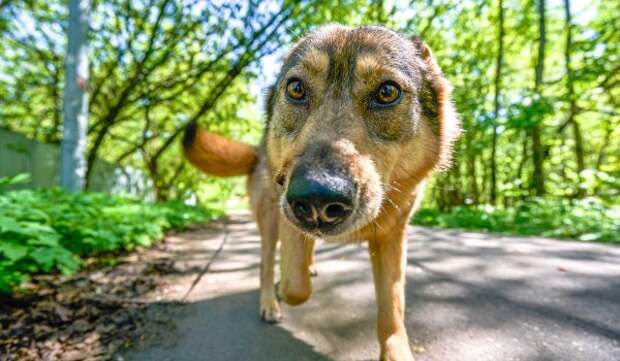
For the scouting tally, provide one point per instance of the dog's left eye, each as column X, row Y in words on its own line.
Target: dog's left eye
column 387, row 94
column 295, row 90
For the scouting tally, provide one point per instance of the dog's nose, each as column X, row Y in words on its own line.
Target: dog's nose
column 320, row 199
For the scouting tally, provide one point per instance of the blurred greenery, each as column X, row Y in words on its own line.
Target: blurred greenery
column 48, row 230
column 587, row 219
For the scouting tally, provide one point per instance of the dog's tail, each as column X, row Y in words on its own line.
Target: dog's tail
column 216, row 155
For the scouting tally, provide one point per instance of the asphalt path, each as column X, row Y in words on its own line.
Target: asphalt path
column 470, row 296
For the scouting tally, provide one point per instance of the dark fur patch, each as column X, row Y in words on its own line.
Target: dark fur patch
column 269, row 101
column 430, row 101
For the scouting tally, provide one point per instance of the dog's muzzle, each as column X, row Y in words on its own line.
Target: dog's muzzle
column 320, row 199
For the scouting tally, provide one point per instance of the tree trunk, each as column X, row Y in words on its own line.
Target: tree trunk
column 524, row 157
column 538, row 151
column 609, row 128
column 471, row 165
column 572, row 110
column 498, row 78
column 72, row 162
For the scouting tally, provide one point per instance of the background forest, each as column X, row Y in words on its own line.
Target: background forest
column 537, row 85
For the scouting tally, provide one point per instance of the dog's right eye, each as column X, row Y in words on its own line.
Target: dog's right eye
column 295, row 91
column 388, row 94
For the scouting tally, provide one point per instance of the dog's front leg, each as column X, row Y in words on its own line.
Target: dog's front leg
column 388, row 254
column 268, row 226
column 295, row 286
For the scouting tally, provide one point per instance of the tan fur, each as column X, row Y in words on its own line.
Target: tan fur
column 218, row 156
column 389, row 152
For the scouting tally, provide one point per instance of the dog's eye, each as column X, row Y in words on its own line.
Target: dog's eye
column 295, row 90
column 387, row 94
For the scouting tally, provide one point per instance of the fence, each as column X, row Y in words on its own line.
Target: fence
column 19, row 154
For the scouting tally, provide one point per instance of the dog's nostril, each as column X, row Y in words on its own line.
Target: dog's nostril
column 302, row 209
column 280, row 179
column 334, row 212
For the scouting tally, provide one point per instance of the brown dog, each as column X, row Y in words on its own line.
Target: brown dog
column 358, row 119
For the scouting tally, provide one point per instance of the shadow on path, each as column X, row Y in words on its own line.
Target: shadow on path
column 226, row 328
column 470, row 297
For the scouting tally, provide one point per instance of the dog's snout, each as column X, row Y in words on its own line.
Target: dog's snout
column 321, row 200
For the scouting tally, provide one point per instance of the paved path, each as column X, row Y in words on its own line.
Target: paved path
column 470, row 296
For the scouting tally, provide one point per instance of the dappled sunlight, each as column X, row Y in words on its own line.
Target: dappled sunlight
column 470, row 295
column 511, row 297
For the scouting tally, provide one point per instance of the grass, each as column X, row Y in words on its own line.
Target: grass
column 43, row 231
column 586, row 220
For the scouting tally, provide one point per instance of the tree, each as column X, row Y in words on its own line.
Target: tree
column 72, row 162
column 498, row 82
column 538, row 177
column 572, row 100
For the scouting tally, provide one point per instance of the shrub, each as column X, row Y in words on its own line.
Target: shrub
column 587, row 219
column 44, row 231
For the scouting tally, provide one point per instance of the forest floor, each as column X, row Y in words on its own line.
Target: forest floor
column 470, row 296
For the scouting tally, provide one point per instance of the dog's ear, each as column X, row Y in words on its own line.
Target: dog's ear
column 436, row 101
column 423, row 50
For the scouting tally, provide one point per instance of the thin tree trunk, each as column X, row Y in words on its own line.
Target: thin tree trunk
column 498, row 79
column 471, row 165
column 572, row 111
column 538, row 152
column 72, row 162
column 603, row 149
column 521, row 166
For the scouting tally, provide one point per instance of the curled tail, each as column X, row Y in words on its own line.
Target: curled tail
column 216, row 155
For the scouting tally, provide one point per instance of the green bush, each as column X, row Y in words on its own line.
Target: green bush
column 44, row 231
column 587, row 219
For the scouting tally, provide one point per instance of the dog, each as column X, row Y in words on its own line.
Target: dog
column 357, row 121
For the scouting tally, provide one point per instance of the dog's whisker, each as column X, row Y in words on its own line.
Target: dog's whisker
column 393, row 188
column 371, row 221
column 393, row 204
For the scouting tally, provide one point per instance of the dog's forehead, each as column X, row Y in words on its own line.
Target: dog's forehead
column 340, row 50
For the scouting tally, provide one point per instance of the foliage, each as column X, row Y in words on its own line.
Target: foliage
column 16, row 179
column 155, row 66
column 49, row 230
column 465, row 39
column 588, row 219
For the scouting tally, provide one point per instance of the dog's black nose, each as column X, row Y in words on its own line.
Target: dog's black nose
column 320, row 199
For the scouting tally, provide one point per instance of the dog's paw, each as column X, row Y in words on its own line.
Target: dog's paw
column 397, row 350
column 270, row 311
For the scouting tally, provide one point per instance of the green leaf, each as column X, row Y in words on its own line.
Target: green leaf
column 9, row 225
column 16, row 179
column 13, row 251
